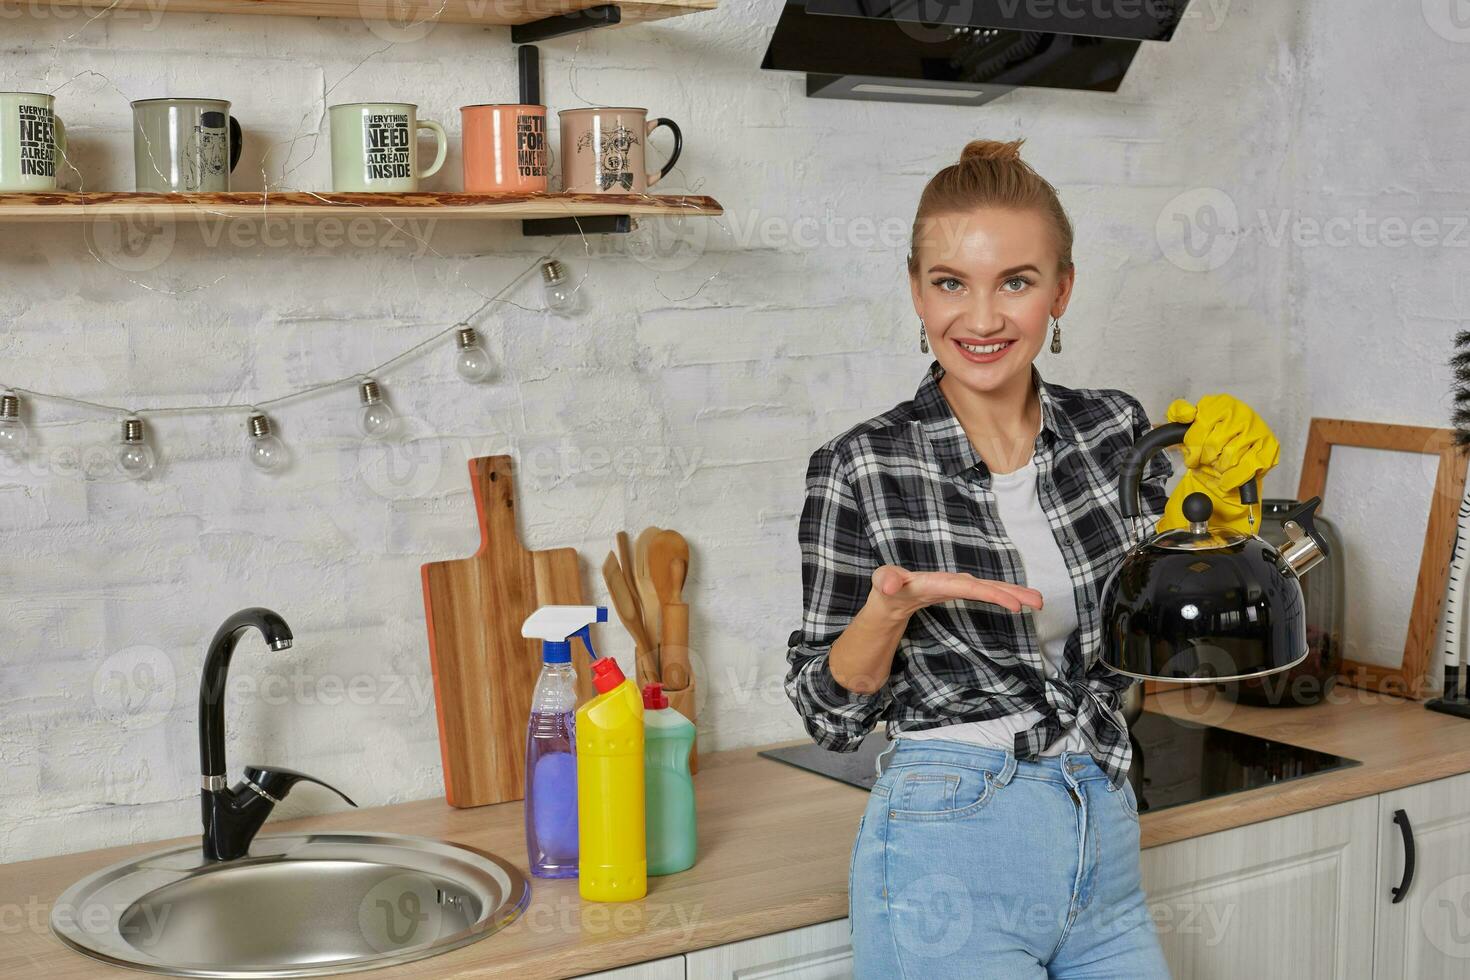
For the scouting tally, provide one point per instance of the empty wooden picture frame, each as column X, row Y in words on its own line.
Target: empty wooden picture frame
column 1408, row 679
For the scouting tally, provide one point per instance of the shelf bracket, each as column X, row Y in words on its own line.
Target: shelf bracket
column 595, row 224
column 602, row 15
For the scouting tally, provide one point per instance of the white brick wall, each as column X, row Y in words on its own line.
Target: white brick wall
column 716, row 392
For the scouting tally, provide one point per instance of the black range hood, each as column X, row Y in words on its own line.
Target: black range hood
column 939, row 51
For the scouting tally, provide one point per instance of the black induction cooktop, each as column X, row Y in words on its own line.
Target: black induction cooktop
column 1177, row 762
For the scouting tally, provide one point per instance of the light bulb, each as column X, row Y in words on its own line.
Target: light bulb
column 15, row 438
column 640, row 241
column 377, row 419
column 266, row 452
column 561, row 294
column 134, row 454
column 470, row 360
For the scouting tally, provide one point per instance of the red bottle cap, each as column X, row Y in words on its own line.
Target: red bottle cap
column 606, row 675
column 653, row 697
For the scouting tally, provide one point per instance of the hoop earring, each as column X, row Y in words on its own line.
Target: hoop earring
column 923, row 337
column 1056, row 336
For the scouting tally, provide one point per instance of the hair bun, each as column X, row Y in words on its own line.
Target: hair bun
column 997, row 150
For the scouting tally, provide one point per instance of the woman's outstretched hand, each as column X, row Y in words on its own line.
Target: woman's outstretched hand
column 902, row 592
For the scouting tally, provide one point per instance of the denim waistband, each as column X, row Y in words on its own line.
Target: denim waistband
column 1067, row 767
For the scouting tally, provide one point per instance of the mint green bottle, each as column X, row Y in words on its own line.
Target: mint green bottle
column 668, row 738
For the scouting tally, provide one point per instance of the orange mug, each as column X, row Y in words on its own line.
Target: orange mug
column 504, row 148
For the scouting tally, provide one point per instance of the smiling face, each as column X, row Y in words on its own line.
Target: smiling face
column 984, row 278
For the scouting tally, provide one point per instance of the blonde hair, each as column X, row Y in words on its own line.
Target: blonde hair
column 991, row 174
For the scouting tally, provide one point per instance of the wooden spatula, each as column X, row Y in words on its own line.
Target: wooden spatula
column 647, row 594
column 624, row 603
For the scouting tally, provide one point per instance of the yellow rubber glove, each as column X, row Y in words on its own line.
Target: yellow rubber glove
column 1226, row 445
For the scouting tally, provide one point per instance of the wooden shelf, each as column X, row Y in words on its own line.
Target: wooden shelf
column 405, row 12
column 64, row 206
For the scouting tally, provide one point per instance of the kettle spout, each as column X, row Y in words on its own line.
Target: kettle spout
column 1305, row 548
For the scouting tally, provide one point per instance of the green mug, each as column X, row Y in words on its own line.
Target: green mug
column 32, row 142
column 184, row 146
column 375, row 147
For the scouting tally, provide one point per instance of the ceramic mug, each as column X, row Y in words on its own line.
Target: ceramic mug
column 504, row 148
column 183, row 146
column 602, row 150
column 375, row 147
column 32, row 142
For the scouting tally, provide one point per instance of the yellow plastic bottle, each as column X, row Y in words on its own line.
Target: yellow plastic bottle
column 612, row 864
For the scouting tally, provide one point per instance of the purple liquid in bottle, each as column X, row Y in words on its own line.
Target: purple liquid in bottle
column 551, row 794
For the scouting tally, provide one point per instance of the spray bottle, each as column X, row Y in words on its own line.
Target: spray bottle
column 551, row 762
column 613, row 864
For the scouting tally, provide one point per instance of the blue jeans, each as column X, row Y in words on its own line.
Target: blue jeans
column 969, row 863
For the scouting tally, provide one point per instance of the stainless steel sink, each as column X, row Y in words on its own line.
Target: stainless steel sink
column 296, row 906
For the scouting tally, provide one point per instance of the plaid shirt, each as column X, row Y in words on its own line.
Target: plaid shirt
column 907, row 488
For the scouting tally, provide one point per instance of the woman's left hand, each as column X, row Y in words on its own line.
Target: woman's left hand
column 1227, row 440
column 1227, row 444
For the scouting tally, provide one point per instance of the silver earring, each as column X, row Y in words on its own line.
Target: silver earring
column 1056, row 336
column 923, row 337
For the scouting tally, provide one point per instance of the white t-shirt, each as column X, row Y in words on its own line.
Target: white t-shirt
column 1046, row 572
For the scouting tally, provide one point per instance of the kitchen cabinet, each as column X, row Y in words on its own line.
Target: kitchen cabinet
column 670, row 968
column 1427, row 932
column 1305, row 896
column 819, row 952
column 1290, row 897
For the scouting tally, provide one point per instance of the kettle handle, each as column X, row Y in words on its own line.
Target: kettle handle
column 1130, row 476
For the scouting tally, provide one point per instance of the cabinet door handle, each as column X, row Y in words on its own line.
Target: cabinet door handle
column 1402, row 819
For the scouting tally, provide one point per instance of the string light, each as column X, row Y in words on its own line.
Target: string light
column 561, row 296
column 377, row 419
column 15, row 438
column 134, row 454
column 640, row 242
column 470, row 360
column 266, row 452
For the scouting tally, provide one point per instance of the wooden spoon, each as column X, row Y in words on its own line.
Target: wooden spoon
column 666, row 548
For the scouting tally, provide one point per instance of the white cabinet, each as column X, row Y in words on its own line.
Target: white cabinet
column 671, row 968
column 1427, row 933
column 819, row 952
column 1290, row 897
column 1304, row 896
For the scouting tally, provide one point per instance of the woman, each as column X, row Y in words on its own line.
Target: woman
column 954, row 549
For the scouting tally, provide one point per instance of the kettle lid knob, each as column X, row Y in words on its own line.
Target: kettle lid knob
column 1197, row 508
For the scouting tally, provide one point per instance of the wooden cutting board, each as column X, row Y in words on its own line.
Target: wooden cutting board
column 484, row 671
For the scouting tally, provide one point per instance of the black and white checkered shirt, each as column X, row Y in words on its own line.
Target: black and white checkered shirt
column 907, row 488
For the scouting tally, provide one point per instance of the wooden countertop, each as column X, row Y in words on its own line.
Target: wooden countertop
column 774, row 846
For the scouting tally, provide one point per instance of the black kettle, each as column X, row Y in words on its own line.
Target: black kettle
column 1205, row 604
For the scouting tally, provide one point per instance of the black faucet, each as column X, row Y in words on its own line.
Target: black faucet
column 233, row 815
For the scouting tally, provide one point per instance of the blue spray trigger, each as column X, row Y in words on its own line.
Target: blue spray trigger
column 586, row 634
